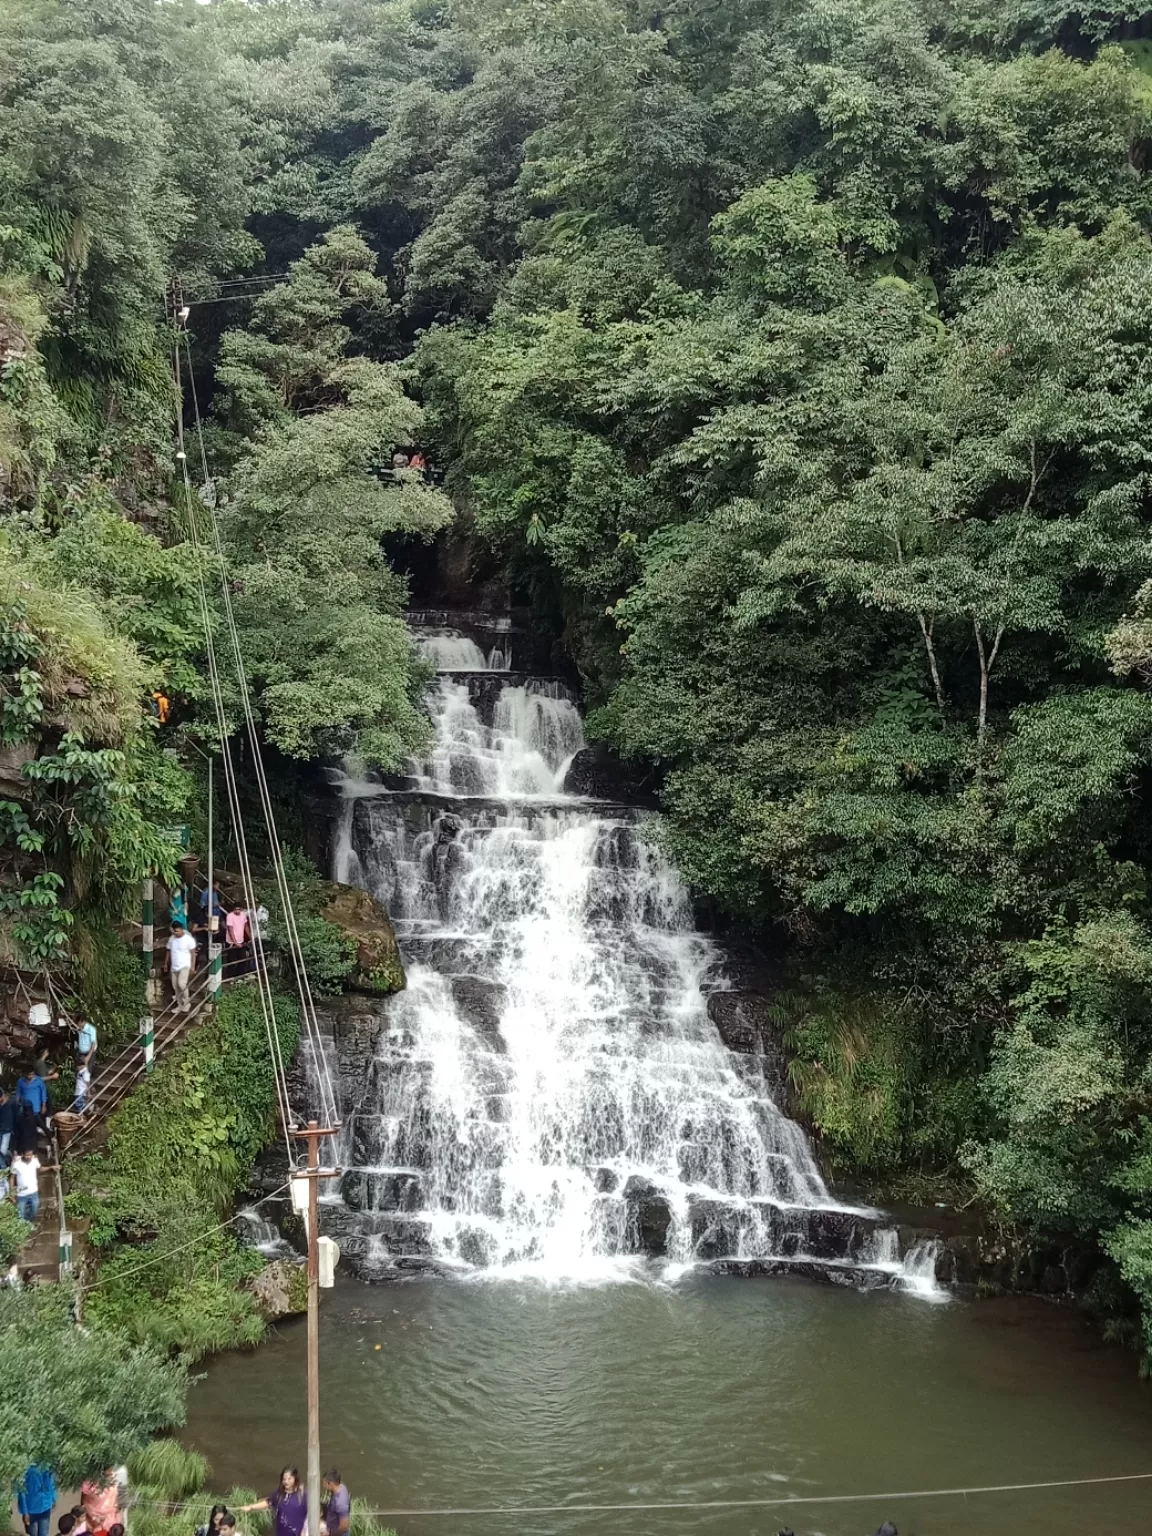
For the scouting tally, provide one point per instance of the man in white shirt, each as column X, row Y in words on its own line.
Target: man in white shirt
column 180, row 963
column 25, row 1174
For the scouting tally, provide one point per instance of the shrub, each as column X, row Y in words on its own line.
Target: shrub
column 178, row 1150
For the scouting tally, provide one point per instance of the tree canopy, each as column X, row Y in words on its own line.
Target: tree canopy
column 79, row 1401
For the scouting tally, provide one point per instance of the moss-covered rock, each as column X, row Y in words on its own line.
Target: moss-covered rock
column 379, row 968
column 280, row 1289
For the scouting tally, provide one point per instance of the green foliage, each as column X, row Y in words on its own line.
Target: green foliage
column 329, row 954
column 77, row 1399
column 84, row 828
column 14, row 1233
column 109, row 980
column 178, row 1149
column 169, row 1467
column 1066, row 1081
column 317, row 606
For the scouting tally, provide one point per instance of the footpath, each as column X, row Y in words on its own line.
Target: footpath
column 49, row 1254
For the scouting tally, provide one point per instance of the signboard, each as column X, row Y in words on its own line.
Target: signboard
column 176, row 837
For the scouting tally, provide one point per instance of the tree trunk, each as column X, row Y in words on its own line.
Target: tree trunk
column 982, row 718
column 926, row 631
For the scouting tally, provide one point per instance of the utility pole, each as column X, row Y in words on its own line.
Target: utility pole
column 314, row 1174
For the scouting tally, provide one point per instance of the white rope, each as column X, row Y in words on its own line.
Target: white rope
column 263, row 984
column 307, row 1003
column 169, row 1253
column 776, row 1502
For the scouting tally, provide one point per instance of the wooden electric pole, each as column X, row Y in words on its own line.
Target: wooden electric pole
column 314, row 1174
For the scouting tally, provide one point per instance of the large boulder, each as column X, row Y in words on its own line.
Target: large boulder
column 379, row 969
column 280, row 1289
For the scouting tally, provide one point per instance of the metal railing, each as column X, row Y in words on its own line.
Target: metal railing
column 126, row 1069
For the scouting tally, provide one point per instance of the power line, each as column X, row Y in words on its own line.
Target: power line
column 243, row 288
column 776, row 1502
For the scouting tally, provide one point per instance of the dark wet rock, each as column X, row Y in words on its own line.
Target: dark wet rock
column 999, row 1262
column 746, row 1025
column 649, row 1217
column 481, row 1002
column 607, row 1182
column 485, row 688
column 854, row 1276
column 364, row 1191
column 598, row 772
column 715, row 1227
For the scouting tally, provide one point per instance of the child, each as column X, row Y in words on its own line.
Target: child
column 83, row 1088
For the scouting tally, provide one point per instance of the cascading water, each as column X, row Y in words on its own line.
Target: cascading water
column 549, row 1093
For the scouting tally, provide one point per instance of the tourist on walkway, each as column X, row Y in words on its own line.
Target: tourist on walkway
column 35, row 1498
column 86, row 1045
column 26, row 1172
column 43, row 1068
column 336, row 1509
column 100, row 1501
column 180, row 962
column 215, row 1520
column 83, row 1089
column 289, row 1505
column 7, row 1126
column 236, row 940
column 32, row 1102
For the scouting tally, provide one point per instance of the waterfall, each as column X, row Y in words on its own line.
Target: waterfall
column 549, row 1094
column 256, row 1231
column 918, row 1271
column 451, row 652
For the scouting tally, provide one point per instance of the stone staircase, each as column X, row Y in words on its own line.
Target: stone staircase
column 42, row 1255
column 113, row 1083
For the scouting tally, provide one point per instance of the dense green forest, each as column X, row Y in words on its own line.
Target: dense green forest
column 793, row 361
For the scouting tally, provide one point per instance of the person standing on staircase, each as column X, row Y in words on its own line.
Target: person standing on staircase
column 43, row 1068
column 26, row 1172
column 86, row 1045
column 180, row 962
column 7, row 1127
column 34, row 1499
column 31, row 1110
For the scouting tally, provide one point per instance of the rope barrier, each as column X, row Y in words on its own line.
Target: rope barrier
column 776, row 1502
column 307, row 1003
column 162, row 1258
column 261, row 965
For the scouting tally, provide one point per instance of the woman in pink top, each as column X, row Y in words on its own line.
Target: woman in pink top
column 236, row 939
column 101, row 1501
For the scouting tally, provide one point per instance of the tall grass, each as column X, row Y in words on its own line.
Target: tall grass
column 168, row 1496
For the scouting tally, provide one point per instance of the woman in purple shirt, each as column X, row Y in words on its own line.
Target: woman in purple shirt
column 289, row 1505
